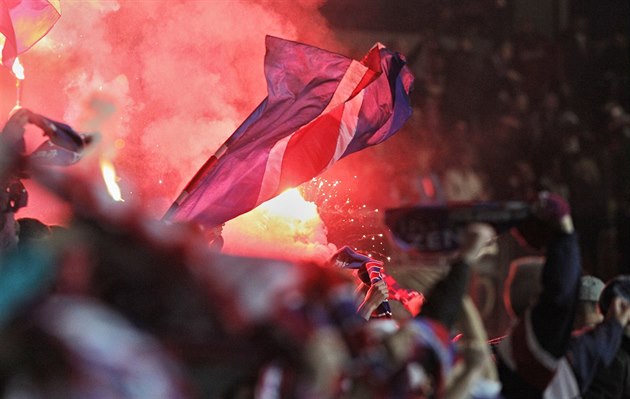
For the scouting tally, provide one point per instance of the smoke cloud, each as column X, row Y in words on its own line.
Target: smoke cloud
column 165, row 82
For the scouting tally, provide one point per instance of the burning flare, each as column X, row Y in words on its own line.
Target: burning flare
column 109, row 176
column 291, row 205
column 285, row 227
column 18, row 69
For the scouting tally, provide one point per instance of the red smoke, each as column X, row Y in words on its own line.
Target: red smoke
column 164, row 82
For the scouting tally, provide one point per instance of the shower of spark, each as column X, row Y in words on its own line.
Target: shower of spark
column 308, row 223
column 348, row 222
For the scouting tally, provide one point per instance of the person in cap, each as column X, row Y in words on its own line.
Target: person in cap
column 613, row 380
column 587, row 313
column 594, row 348
column 540, row 358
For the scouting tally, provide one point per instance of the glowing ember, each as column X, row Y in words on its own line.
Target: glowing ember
column 291, row 205
column 18, row 69
column 109, row 176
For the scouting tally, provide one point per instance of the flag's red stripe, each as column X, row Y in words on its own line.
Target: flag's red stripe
column 310, row 149
column 373, row 61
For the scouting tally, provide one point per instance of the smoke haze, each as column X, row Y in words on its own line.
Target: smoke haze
column 164, row 82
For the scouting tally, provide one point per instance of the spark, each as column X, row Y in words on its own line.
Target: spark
column 347, row 222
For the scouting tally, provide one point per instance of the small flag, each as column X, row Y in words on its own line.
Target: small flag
column 347, row 258
column 64, row 147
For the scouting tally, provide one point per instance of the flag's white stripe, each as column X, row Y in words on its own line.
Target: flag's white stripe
column 271, row 176
column 353, row 76
column 347, row 126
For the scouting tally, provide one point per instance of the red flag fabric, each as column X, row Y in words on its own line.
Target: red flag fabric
column 320, row 107
column 23, row 23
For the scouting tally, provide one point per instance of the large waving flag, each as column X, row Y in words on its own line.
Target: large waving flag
column 320, row 107
column 23, row 23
